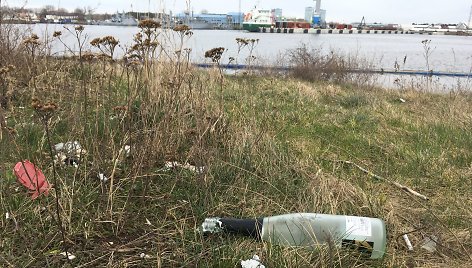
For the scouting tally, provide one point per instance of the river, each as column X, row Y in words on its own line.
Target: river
column 446, row 53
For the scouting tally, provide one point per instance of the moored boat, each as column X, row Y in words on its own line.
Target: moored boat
column 258, row 18
column 120, row 19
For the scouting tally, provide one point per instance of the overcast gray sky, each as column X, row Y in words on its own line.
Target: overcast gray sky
column 398, row 11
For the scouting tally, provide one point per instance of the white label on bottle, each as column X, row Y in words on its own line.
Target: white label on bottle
column 358, row 226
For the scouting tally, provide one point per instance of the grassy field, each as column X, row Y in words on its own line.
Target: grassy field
column 269, row 145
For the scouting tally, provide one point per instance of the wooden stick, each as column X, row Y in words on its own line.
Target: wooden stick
column 396, row 184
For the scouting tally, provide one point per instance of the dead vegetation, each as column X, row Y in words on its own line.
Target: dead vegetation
column 262, row 145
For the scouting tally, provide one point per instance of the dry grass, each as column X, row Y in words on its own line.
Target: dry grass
column 269, row 146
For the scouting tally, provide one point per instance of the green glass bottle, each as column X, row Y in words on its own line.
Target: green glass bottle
column 367, row 235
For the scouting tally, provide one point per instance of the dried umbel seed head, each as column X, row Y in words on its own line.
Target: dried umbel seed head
column 36, row 103
column 79, row 28
column 32, row 40
column 246, row 41
column 120, row 108
column 96, row 42
column 242, row 41
column 49, row 107
column 181, row 28
column 215, row 53
column 149, row 24
column 109, row 40
column 57, row 34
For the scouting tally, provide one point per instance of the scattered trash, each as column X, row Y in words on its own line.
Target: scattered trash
column 68, row 153
column 366, row 235
column 7, row 216
column 70, row 148
column 62, row 158
column 408, row 242
column 32, row 178
column 212, row 225
column 144, row 256
column 171, row 165
column 255, row 262
column 148, row 222
column 429, row 243
column 68, row 255
column 127, row 150
column 402, row 100
column 102, row 177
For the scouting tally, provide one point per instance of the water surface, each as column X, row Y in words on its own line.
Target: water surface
column 446, row 53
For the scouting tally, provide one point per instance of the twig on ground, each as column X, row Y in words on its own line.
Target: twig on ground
column 396, row 184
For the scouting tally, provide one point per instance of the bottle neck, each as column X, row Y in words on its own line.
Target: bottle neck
column 249, row 227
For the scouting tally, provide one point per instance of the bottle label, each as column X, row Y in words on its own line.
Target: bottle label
column 358, row 226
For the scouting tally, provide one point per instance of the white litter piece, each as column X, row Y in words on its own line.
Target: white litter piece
column 408, row 242
column 402, row 100
column 102, row 177
column 127, row 150
column 429, row 243
column 70, row 256
column 7, row 215
column 70, row 148
column 255, row 262
column 144, row 256
column 60, row 157
column 68, row 153
column 212, row 225
column 171, row 165
column 148, row 222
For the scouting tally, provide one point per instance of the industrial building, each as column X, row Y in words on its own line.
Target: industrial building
column 315, row 15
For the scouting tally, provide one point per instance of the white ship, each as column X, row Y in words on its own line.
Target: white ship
column 258, row 18
column 120, row 19
column 197, row 23
column 435, row 27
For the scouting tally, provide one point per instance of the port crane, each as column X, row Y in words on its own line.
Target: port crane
column 362, row 24
column 470, row 17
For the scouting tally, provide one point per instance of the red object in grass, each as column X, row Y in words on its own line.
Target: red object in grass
column 32, row 178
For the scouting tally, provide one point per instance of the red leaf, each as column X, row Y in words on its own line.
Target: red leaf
column 32, row 178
